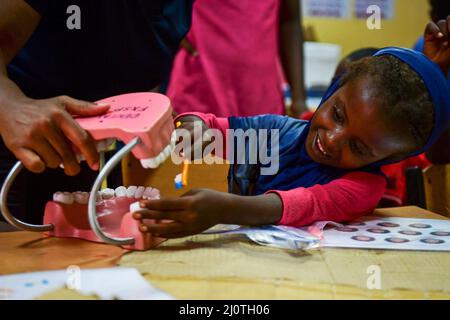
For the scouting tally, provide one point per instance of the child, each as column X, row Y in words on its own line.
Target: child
column 230, row 61
column 385, row 108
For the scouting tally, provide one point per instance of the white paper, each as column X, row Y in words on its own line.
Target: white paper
column 367, row 232
column 385, row 233
column 326, row 8
column 107, row 283
column 387, row 8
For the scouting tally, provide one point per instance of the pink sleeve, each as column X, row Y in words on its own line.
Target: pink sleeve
column 346, row 198
column 212, row 122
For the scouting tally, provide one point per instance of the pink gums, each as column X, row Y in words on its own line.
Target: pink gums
column 71, row 221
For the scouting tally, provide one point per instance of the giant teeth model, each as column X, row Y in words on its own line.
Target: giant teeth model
column 142, row 121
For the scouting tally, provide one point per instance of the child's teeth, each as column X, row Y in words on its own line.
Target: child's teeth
column 121, row 191
column 107, row 193
column 134, row 207
column 139, row 192
column 63, row 197
column 98, row 196
column 131, row 191
column 81, row 197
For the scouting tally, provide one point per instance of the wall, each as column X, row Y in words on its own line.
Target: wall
column 409, row 22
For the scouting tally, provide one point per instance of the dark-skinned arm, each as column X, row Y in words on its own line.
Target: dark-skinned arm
column 38, row 132
column 198, row 210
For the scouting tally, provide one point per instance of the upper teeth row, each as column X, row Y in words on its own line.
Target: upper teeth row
column 105, row 194
column 153, row 163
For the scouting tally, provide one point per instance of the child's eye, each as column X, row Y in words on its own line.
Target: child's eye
column 337, row 115
column 357, row 149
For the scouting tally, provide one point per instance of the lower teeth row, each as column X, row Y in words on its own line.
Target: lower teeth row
column 105, row 194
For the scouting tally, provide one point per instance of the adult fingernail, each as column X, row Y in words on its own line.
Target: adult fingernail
column 144, row 228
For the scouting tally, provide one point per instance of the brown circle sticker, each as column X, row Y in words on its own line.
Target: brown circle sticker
column 440, row 233
column 420, row 225
column 363, row 238
column 378, row 230
column 432, row 241
column 388, row 224
column 396, row 240
column 410, row 233
column 346, row 229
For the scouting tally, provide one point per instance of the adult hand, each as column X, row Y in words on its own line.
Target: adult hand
column 40, row 132
column 437, row 43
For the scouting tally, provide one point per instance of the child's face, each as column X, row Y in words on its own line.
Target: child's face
column 348, row 132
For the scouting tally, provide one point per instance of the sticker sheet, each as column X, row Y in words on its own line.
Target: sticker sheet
column 389, row 233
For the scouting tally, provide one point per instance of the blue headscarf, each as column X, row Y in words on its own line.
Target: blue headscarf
column 296, row 168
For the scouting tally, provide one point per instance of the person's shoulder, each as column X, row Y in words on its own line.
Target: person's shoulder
column 267, row 121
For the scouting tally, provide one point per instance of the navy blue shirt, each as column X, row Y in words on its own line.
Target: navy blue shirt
column 122, row 46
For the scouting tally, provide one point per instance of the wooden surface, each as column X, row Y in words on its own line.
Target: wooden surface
column 231, row 267
column 437, row 188
column 28, row 251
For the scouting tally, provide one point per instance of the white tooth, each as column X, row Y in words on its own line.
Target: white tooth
column 139, row 192
column 167, row 151
column 98, row 196
column 149, row 163
column 101, row 145
column 147, row 192
column 160, row 159
column 151, row 193
column 134, row 207
column 81, row 197
column 131, row 191
column 57, row 196
column 121, row 191
column 107, row 193
column 63, row 197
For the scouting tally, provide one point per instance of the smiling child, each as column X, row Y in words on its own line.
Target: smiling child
column 385, row 108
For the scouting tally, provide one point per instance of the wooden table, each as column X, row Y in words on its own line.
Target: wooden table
column 218, row 267
column 230, row 267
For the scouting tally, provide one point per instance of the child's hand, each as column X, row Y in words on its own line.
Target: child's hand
column 199, row 140
column 192, row 213
column 437, row 43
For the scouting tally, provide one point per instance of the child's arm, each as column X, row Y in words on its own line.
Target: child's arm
column 343, row 199
column 437, row 43
column 198, row 210
column 206, row 121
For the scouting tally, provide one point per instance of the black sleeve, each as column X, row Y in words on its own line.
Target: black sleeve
column 40, row 6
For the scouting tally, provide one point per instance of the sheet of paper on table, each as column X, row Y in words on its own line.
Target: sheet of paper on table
column 368, row 232
column 106, row 284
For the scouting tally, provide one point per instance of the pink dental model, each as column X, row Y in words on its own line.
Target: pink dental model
column 144, row 122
